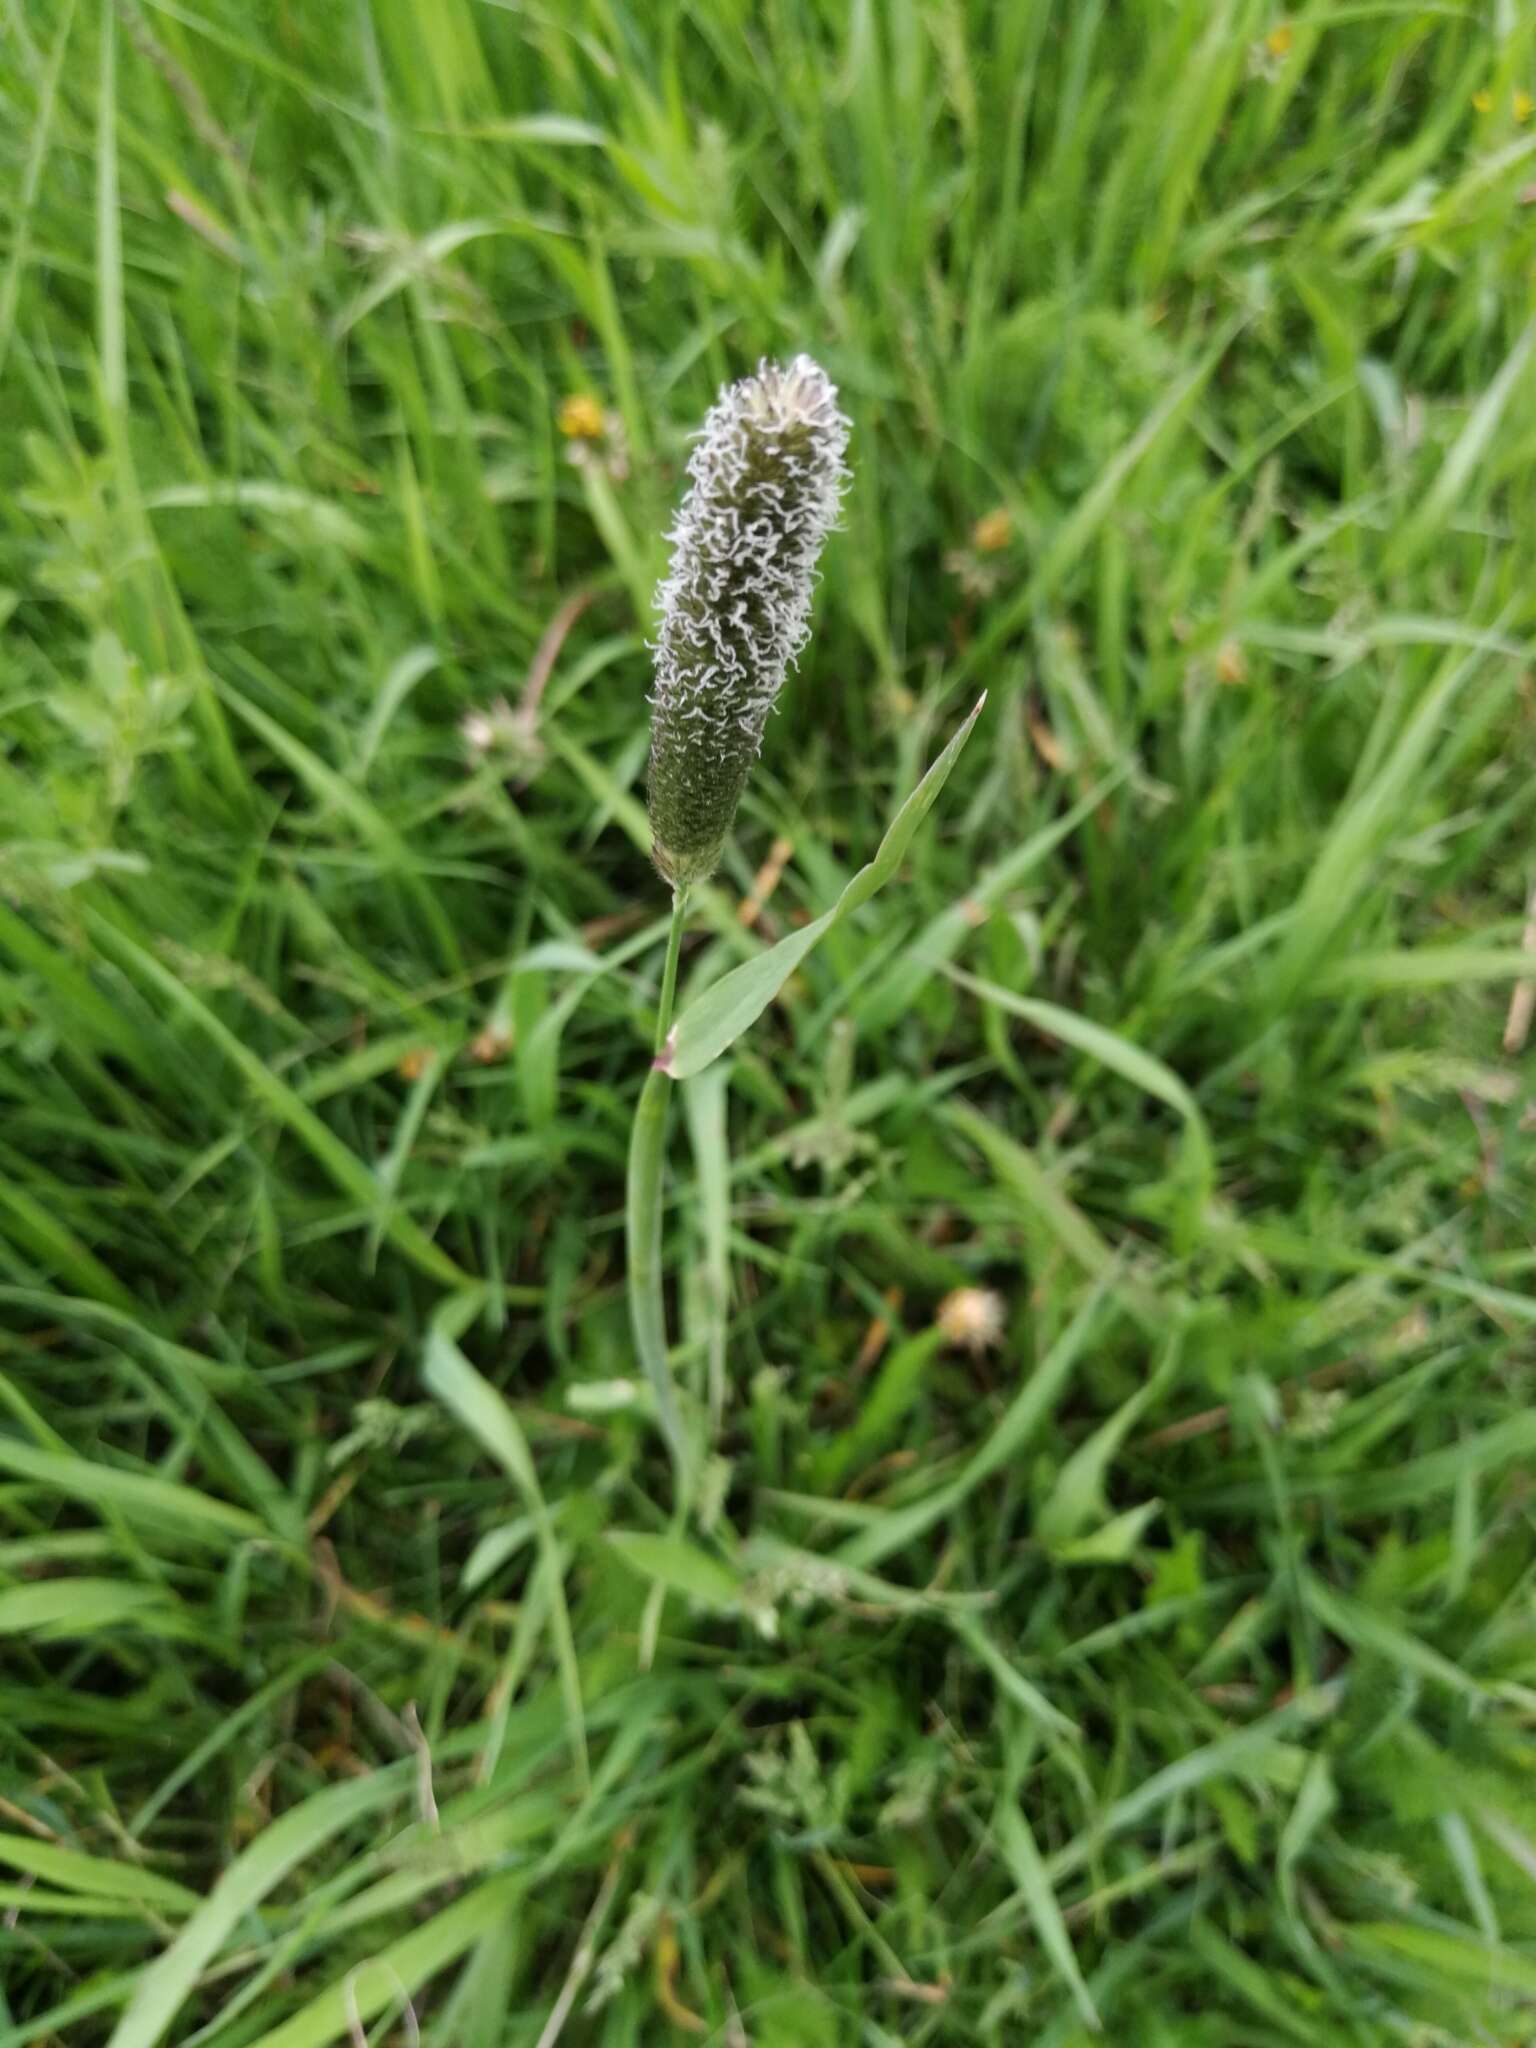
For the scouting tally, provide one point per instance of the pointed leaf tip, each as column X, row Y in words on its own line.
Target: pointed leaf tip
column 717, row 1018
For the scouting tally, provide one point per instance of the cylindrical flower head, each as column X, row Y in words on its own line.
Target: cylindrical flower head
column 767, row 476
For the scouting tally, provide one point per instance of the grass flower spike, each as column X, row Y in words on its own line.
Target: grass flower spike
column 767, row 476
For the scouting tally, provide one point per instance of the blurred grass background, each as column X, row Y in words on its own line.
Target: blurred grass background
column 1168, row 1666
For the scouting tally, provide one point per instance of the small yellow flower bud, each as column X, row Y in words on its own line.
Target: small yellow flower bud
column 993, row 531
column 581, row 417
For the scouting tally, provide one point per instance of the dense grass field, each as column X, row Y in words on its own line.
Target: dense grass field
column 1162, row 1669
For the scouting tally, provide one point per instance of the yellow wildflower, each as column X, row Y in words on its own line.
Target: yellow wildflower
column 581, row 417
column 992, row 532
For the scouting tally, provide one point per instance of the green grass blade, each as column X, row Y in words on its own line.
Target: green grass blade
column 140, row 1496
column 717, row 1018
column 477, row 1405
column 168, row 1983
column 399, row 1969
column 344, row 1167
column 1016, row 1844
column 96, row 1876
column 1025, row 1415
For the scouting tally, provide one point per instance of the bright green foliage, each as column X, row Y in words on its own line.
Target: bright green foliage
column 1172, row 1661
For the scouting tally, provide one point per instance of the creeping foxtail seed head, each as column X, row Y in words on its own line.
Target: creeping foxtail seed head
column 767, row 474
